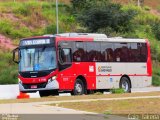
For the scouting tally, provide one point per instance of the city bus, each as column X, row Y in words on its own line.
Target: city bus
column 81, row 63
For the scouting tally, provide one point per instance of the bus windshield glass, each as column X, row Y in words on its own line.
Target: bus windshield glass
column 37, row 59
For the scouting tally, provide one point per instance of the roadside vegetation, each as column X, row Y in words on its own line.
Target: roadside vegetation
column 82, row 97
column 24, row 19
column 8, row 70
column 19, row 20
column 121, row 107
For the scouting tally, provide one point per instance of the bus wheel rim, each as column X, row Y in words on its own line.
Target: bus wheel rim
column 125, row 86
column 78, row 88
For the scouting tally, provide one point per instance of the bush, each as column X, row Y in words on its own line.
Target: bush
column 9, row 75
column 100, row 15
column 156, row 80
column 51, row 29
column 117, row 91
column 147, row 8
column 5, row 27
column 156, row 30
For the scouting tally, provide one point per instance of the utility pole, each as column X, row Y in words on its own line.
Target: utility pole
column 138, row 3
column 57, row 16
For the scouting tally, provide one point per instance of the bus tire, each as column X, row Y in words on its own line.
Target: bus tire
column 125, row 84
column 79, row 88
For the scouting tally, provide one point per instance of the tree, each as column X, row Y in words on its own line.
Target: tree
column 105, row 15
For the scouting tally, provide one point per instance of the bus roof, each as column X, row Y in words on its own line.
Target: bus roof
column 94, row 36
column 90, row 35
column 120, row 40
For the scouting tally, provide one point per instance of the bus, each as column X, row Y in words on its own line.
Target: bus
column 81, row 63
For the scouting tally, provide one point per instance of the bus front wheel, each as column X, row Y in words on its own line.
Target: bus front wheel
column 78, row 88
column 125, row 84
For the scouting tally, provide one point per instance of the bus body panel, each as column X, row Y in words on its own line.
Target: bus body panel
column 109, row 74
column 68, row 76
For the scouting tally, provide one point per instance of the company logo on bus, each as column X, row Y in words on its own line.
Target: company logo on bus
column 104, row 69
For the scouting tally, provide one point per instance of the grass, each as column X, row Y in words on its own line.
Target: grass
column 117, row 91
column 139, row 106
column 62, row 98
column 30, row 18
column 8, row 71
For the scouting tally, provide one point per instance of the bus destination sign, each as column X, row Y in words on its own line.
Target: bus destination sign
column 35, row 42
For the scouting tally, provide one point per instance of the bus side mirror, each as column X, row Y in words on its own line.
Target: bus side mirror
column 16, row 55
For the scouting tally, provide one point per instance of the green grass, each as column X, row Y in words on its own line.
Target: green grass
column 8, row 71
column 117, row 91
column 33, row 18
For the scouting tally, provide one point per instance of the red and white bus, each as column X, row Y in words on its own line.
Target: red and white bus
column 81, row 63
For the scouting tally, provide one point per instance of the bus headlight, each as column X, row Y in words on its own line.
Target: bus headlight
column 19, row 81
column 52, row 79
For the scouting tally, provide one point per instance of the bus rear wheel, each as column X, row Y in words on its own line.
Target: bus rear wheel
column 46, row 93
column 79, row 88
column 125, row 84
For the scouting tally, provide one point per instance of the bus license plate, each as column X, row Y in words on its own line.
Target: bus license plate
column 33, row 86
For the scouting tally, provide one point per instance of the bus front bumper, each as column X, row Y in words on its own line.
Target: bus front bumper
column 50, row 85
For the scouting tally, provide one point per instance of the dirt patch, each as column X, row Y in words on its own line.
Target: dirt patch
column 9, row 16
column 6, row 43
column 155, row 12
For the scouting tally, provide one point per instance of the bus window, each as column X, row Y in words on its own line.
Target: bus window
column 107, row 52
column 93, row 51
column 135, row 52
column 65, row 56
column 121, row 52
column 143, row 52
column 79, row 53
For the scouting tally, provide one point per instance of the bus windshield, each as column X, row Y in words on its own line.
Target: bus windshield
column 37, row 59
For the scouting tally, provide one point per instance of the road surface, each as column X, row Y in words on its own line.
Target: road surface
column 39, row 110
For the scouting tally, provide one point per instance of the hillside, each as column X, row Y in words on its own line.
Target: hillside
column 19, row 20
column 24, row 19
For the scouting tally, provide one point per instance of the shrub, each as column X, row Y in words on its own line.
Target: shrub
column 156, row 80
column 146, row 8
column 50, row 29
column 5, row 27
column 9, row 75
column 100, row 15
column 117, row 91
column 156, row 30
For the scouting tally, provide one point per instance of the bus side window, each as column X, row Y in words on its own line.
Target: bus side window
column 79, row 54
column 107, row 52
column 135, row 52
column 65, row 56
column 93, row 51
column 144, row 52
